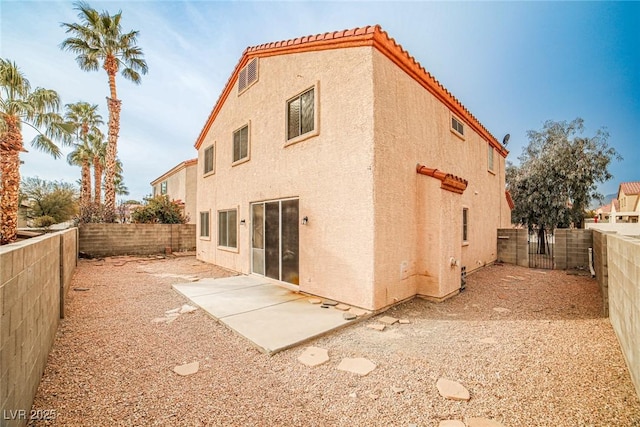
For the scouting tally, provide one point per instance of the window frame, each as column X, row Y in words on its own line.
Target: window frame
column 220, row 244
column 163, row 188
column 211, row 171
column 233, row 145
column 208, row 228
column 465, row 226
column 316, row 115
column 491, row 159
column 243, row 76
column 454, row 119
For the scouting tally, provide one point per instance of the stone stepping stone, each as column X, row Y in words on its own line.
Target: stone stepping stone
column 358, row 311
column 404, row 321
column 452, row 390
column 388, row 320
column 314, row 356
column 359, row 365
column 483, row 422
column 397, row 390
column 349, row 316
column 187, row 369
column 175, row 310
column 377, row 327
column 343, row 307
column 451, row 423
column 501, row 310
column 314, row 300
column 329, row 302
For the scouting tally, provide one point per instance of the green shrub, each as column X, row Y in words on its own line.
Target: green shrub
column 159, row 210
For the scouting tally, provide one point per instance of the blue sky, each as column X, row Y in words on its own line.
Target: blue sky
column 513, row 65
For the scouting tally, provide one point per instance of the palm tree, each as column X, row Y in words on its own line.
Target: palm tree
column 98, row 40
column 35, row 108
column 99, row 152
column 121, row 189
column 85, row 119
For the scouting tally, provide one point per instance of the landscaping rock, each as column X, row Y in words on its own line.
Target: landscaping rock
column 329, row 302
column 187, row 369
column 314, row 300
column 360, row 366
column 187, row 309
column 404, row 321
column 343, row 307
column 313, row 356
column 452, row 390
column 388, row 320
column 349, row 316
column 377, row 327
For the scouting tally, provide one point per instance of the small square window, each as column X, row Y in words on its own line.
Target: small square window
column 241, row 143
column 465, row 224
column 208, row 159
column 228, row 228
column 457, row 126
column 204, row 224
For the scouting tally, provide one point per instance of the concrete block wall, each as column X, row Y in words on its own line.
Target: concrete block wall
column 571, row 249
column 623, row 257
column 68, row 263
column 512, row 246
column 135, row 239
column 601, row 266
column 30, row 290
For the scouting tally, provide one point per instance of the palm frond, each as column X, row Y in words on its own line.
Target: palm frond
column 42, row 143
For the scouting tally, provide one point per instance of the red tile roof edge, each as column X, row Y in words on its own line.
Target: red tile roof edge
column 509, row 199
column 360, row 36
column 449, row 181
column 629, row 188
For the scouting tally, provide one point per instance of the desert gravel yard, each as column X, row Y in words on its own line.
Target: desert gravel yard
column 531, row 347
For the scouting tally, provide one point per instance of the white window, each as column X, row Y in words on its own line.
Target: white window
column 457, row 126
column 465, row 225
column 208, row 159
column 204, row 224
column 490, row 158
column 163, row 187
column 301, row 114
column 248, row 75
column 227, row 228
column 241, row 144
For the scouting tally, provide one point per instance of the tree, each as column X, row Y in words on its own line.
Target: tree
column 557, row 176
column 19, row 105
column 48, row 201
column 85, row 119
column 161, row 210
column 99, row 152
column 98, row 40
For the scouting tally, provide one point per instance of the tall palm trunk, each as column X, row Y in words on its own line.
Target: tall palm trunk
column 85, row 189
column 10, row 147
column 97, row 181
column 114, row 105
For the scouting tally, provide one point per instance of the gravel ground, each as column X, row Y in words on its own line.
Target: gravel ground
column 551, row 360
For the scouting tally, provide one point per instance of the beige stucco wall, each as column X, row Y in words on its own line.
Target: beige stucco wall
column 623, row 257
column 418, row 225
column 330, row 173
column 181, row 185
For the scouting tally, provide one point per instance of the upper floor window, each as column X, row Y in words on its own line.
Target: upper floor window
column 248, row 75
column 241, row 144
column 208, row 159
column 465, row 225
column 301, row 114
column 491, row 157
column 457, row 126
column 163, row 187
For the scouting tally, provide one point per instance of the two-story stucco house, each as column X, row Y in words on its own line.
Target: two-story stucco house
column 336, row 165
column 179, row 184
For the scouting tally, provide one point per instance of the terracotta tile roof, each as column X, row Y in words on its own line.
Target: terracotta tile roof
column 509, row 199
column 355, row 37
column 630, row 188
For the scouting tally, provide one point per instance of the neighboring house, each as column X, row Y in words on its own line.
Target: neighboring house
column 628, row 199
column 337, row 166
column 180, row 184
column 603, row 213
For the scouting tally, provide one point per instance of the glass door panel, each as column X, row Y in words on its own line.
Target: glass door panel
column 272, row 240
column 257, row 238
column 289, row 242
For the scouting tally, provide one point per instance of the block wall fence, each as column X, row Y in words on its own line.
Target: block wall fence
column 136, row 239
column 35, row 275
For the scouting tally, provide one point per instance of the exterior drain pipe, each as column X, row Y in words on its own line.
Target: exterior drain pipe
column 593, row 272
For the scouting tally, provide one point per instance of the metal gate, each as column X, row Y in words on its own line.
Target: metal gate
column 541, row 243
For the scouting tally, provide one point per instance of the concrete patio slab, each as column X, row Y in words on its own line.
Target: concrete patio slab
column 272, row 317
